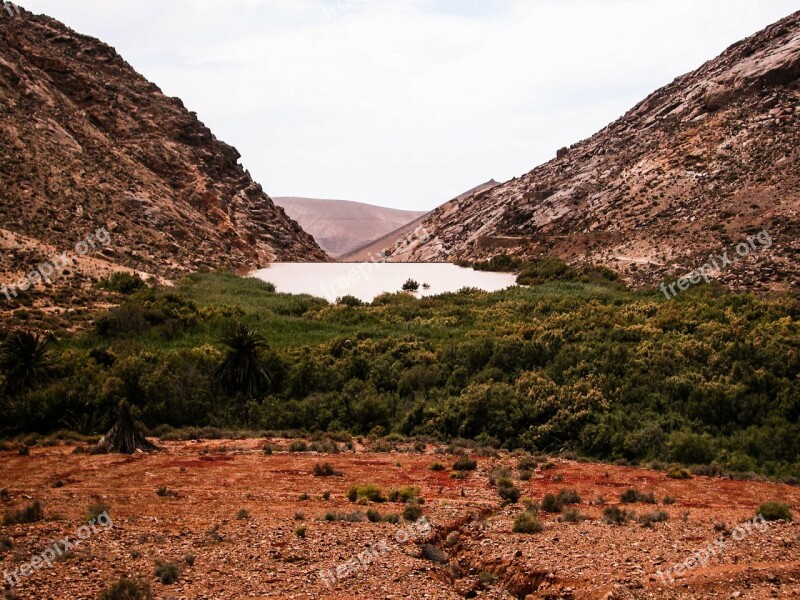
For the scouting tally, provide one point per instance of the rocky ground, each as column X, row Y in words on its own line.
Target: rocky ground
column 234, row 513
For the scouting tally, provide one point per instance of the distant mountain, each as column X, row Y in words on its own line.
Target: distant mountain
column 403, row 237
column 341, row 226
column 697, row 167
column 86, row 142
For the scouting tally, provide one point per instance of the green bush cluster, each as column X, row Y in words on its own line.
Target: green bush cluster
column 575, row 362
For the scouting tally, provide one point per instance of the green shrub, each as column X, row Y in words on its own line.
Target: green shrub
column 326, row 470
column 298, row 446
column 393, row 518
column 167, row 573
column 613, row 515
column 465, row 463
column 369, row 492
column 373, row 516
column 679, row 473
column 658, row 516
column 410, row 286
column 301, row 531
column 412, row 512
column 122, row 282
column 437, row 466
column 30, row 514
column 189, row 559
column 571, row 515
column 407, row 493
column 569, row 497
column 630, row 496
column 127, row 589
column 775, row 511
column 551, row 504
column 527, row 522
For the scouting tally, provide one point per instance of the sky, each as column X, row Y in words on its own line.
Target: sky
column 408, row 103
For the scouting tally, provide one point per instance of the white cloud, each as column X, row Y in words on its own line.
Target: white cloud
column 408, row 103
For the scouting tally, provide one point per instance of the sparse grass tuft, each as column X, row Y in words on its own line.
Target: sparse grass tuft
column 127, row 589
column 167, row 573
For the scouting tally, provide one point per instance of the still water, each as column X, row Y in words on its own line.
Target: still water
column 368, row 280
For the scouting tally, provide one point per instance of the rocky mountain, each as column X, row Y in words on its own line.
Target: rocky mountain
column 403, row 240
column 697, row 167
column 86, row 142
column 341, row 226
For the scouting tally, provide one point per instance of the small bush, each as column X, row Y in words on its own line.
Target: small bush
column 393, row 518
column 412, row 512
column 434, row 554
column 373, row 516
column 122, row 282
column 508, row 491
column 679, row 473
column 571, row 515
column 630, row 496
column 326, row 495
column 465, row 463
column 167, row 573
column 243, row 514
column 30, row 514
column 300, row 531
column 658, row 516
column 551, row 504
column 569, row 497
column 525, row 475
column 127, row 589
column 298, row 446
column 613, row 515
column 326, row 470
column 668, row 500
column 410, row 285
column 407, row 493
column 369, row 492
column 775, row 511
column 458, row 475
column 6, row 543
column 527, row 522
column 437, row 466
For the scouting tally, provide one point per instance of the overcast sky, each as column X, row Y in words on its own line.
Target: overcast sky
column 407, row 103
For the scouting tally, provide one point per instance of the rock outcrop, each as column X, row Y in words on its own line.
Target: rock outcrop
column 87, row 142
column 695, row 168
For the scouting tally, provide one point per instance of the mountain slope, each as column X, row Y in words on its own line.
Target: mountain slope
column 341, row 226
column 403, row 240
column 695, row 168
column 86, row 142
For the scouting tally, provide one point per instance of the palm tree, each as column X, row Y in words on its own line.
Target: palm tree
column 25, row 362
column 242, row 371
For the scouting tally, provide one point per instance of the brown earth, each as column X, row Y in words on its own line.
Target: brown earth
column 86, row 142
column 696, row 167
column 261, row 556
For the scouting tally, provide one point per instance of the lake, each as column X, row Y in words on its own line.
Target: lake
column 368, row 280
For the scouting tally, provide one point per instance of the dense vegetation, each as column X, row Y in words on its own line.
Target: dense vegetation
column 574, row 362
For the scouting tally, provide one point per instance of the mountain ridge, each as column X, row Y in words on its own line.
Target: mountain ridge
column 694, row 168
column 87, row 142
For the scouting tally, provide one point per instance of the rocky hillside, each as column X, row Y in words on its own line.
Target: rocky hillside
column 86, row 142
column 404, row 240
column 697, row 167
column 341, row 226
